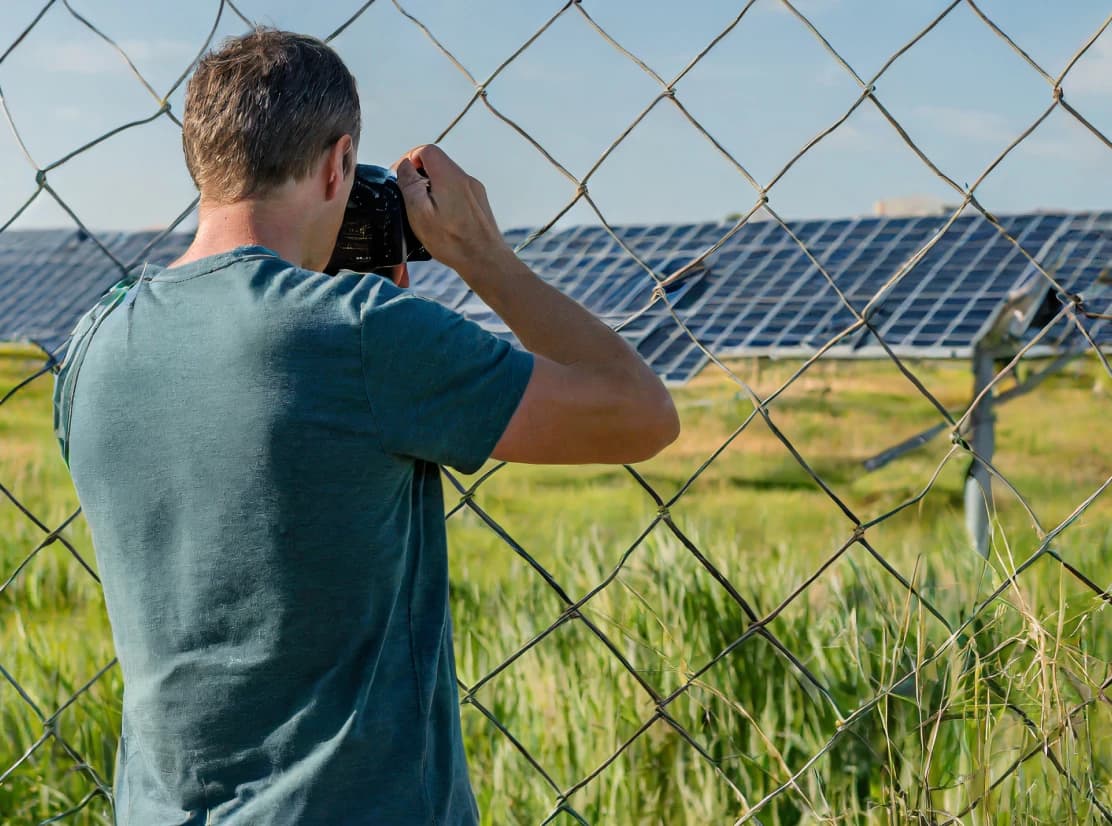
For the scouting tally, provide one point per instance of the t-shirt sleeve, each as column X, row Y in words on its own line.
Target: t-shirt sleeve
column 441, row 388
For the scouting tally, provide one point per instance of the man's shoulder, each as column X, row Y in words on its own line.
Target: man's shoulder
column 276, row 286
column 365, row 293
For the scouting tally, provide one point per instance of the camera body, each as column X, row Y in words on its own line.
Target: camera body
column 375, row 234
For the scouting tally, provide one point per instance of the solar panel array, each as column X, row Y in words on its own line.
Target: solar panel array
column 758, row 294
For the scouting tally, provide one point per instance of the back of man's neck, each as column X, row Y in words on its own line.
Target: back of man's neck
column 224, row 227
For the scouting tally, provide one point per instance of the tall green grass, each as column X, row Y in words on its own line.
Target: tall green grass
column 1003, row 719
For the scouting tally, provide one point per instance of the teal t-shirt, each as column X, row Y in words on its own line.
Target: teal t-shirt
column 256, row 450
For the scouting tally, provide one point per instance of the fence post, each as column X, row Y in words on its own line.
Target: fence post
column 978, row 480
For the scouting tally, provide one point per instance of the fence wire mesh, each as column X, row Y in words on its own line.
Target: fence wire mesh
column 649, row 721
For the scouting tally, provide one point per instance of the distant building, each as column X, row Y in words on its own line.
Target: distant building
column 912, row 206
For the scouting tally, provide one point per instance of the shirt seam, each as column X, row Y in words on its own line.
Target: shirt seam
column 212, row 270
column 366, row 388
column 413, row 661
column 425, row 792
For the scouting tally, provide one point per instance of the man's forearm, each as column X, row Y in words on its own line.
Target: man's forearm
column 549, row 323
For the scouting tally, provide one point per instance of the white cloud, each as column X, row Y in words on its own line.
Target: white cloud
column 848, row 137
column 865, row 131
column 808, row 8
column 967, row 124
column 832, row 74
column 1067, row 141
column 95, row 57
column 1093, row 73
column 69, row 114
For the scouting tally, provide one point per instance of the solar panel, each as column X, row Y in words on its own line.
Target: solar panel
column 49, row 278
column 760, row 293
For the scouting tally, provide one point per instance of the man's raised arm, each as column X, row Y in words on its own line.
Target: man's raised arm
column 591, row 398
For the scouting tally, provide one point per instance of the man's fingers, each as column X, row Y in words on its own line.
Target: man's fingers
column 435, row 162
column 448, row 209
column 414, row 187
column 407, row 173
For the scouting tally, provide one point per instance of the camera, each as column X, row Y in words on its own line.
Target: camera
column 375, row 234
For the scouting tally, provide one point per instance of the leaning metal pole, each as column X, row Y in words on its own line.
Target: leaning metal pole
column 978, row 480
column 1027, row 308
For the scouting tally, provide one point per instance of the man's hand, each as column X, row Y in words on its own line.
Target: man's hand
column 448, row 210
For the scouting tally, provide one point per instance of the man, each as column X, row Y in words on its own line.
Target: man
column 256, row 448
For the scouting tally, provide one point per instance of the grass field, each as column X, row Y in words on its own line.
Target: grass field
column 1006, row 721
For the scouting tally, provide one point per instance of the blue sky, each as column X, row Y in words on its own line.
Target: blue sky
column 763, row 92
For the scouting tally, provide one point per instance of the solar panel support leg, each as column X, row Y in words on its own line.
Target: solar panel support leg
column 978, row 479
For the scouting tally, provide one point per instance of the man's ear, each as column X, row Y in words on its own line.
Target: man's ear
column 339, row 163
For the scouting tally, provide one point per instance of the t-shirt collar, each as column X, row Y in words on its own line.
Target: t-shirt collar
column 209, row 263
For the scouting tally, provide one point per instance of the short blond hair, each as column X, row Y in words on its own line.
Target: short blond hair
column 261, row 109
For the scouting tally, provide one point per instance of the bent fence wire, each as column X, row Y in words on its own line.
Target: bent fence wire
column 1068, row 725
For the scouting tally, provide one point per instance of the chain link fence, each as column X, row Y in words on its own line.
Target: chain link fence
column 690, row 725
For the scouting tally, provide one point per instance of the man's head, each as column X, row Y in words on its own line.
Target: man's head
column 263, row 109
column 271, row 124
